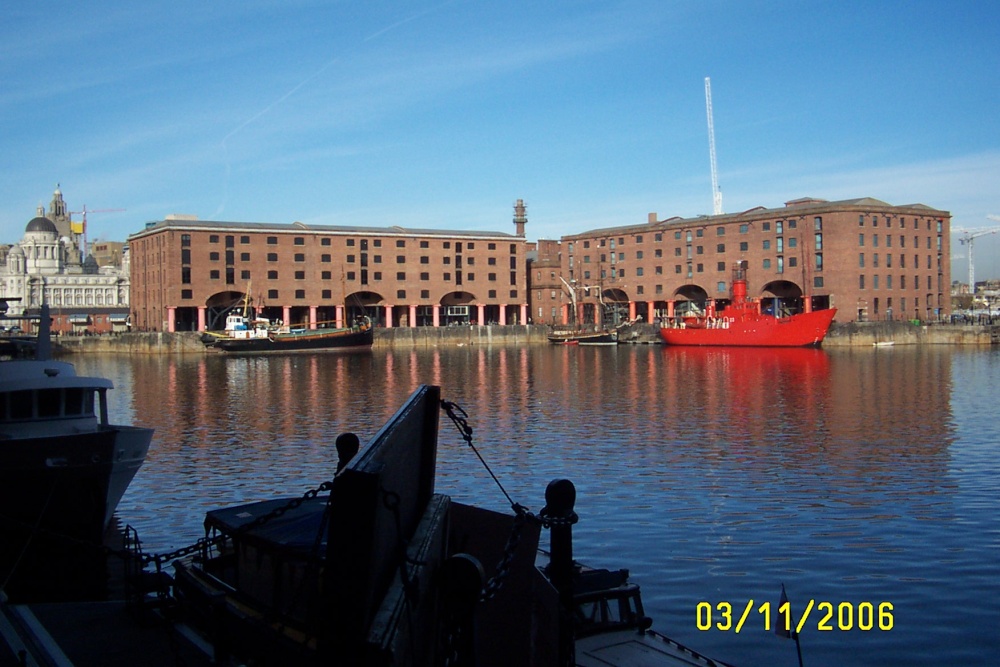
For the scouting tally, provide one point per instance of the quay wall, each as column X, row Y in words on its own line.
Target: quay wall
column 851, row 334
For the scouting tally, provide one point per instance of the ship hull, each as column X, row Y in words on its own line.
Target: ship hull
column 578, row 338
column 296, row 342
column 58, row 495
column 801, row 330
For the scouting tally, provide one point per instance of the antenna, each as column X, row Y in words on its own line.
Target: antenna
column 716, row 192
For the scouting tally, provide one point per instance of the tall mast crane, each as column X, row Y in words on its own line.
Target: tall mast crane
column 968, row 239
column 83, row 226
column 716, row 192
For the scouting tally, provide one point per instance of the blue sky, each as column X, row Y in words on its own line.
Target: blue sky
column 441, row 114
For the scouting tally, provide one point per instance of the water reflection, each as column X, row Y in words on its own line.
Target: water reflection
column 711, row 474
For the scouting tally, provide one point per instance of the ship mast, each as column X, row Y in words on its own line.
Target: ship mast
column 716, row 192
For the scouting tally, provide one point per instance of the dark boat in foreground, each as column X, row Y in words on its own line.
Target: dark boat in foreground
column 742, row 323
column 63, row 469
column 384, row 571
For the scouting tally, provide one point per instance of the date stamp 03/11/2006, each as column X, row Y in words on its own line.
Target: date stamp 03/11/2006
column 820, row 615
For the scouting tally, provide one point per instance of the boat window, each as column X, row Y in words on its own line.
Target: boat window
column 48, row 402
column 20, row 404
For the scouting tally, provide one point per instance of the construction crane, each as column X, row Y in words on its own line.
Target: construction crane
column 716, row 192
column 81, row 228
column 968, row 239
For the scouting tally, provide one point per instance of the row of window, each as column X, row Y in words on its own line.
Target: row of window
column 938, row 224
column 328, row 294
column 688, row 234
column 888, row 260
column 216, row 274
column 902, row 241
column 888, row 282
column 327, row 258
column 230, row 242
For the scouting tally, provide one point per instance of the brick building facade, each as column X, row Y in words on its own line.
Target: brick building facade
column 188, row 273
column 869, row 259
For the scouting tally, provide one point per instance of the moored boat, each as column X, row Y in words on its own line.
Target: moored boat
column 360, row 336
column 601, row 337
column 63, row 469
column 743, row 323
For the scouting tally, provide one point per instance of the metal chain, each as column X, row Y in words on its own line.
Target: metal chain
column 207, row 542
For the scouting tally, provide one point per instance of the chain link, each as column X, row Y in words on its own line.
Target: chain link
column 205, row 543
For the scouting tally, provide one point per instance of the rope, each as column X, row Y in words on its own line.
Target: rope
column 462, row 424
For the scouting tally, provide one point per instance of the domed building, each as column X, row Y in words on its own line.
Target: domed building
column 48, row 266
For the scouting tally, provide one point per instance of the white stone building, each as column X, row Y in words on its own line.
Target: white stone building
column 48, row 267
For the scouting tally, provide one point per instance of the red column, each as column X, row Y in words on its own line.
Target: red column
column 631, row 310
column 388, row 316
column 171, row 319
column 339, row 316
column 524, row 313
column 503, row 314
column 201, row 318
column 650, row 310
column 437, row 315
column 413, row 315
column 481, row 316
column 312, row 317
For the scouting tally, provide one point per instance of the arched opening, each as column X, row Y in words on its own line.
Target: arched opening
column 220, row 304
column 459, row 308
column 615, row 307
column 781, row 298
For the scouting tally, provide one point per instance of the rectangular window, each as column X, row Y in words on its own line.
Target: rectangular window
column 272, row 240
column 272, row 294
column 187, row 294
column 244, row 257
column 186, row 275
column 425, row 276
column 214, row 238
column 401, row 275
column 213, row 274
column 186, row 256
column 300, row 294
column 400, row 259
column 325, row 240
column 272, row 257
column 351, row 275
column 300, row 240
column 326, row 275
column 300, row 257
column 245, row 274
column 272, row 275
column 300, row 275
column 326, row 294
column 185, row 240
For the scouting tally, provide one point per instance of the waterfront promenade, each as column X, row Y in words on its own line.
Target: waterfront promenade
column 853, row 334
